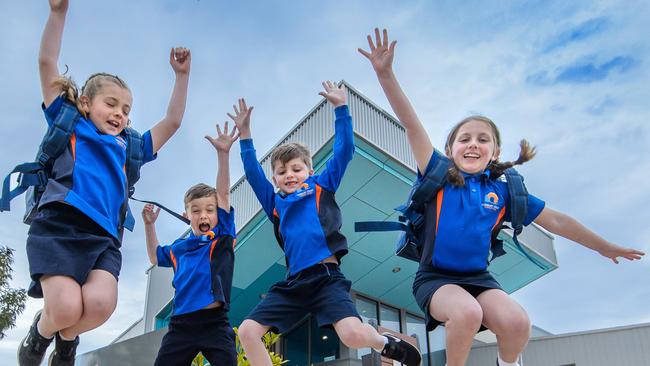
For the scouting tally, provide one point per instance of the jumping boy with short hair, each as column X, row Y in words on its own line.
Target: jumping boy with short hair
column 203, row 266
column 307, row 224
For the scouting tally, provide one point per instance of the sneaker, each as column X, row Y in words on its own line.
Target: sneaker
column 64, row 352
column 401, row 351
column 33, row 346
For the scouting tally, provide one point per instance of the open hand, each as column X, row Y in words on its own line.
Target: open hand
column 242, row 118
column 150, row 213
column 180, row 58
column 381, row 53
column 614, row 251
column 224, row 140
column 337, row 95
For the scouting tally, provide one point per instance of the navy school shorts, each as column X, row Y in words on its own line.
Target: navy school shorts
column 207, row 331
column 428, row 282
column 63, row 241
column 320, row 289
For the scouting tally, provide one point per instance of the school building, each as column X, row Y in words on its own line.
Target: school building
column 626, row 345
column 377, row 180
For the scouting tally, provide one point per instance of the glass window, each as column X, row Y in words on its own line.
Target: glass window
column 308, row 344
column 324, row 344
column 164, row 316
column 367, row 310
column 295, row 346
column 437, row 346
column 415, row 325
column 389, row 318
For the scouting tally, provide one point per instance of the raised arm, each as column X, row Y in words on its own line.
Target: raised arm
column 381, row 57
column 568, row 227
column 48, row 55
column 180, row 60
column 149, row 216
column 222, row 143
column 262, row 188
column 343, row 148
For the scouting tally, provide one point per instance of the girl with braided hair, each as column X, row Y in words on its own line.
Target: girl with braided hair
column 452, row 285
column 73, row 245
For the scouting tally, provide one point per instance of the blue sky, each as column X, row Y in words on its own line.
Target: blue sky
column 571, row 77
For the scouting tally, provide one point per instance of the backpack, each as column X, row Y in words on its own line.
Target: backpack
column 412, row 214
column 33, row 176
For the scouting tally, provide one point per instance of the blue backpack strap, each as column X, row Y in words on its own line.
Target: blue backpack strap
column 31, row 174
column 412, row 218
column 425, row 191
column 134, row 156
column 59, row 133
column 365, row 226
column 35, row 174
column 134, row 161
column 518, row 210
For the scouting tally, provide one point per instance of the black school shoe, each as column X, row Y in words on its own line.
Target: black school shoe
column 32, row 348
column 64, row 352
column 401, row 351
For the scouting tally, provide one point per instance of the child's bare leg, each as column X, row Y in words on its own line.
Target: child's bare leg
column 99, row 295
column 250, row 335
column 355, row 334
column 62, row 304
column 508, row 320
column 462, row 316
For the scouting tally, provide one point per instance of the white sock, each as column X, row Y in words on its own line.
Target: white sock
column 66, row 339
column 382, row 347
column 504, row 363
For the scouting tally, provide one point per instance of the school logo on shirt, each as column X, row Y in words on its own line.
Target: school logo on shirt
column 304, row 190
column 491, row 201
column 120, row 141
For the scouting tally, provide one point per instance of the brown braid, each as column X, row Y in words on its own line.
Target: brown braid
column 526, row 153
column 69, row 90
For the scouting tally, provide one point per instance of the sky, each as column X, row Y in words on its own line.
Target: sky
column 571, row 77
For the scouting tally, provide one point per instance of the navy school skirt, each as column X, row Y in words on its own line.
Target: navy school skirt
column 63, row 241
column 428, row 282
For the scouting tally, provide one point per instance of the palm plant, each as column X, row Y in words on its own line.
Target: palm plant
column 269, row 339
column 200, row 360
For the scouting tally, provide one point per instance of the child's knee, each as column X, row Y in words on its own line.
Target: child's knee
column 63, row 313
column 467, row 316
column 353, row 337
column 99, row 306
column 519, row 325
column 250, row 331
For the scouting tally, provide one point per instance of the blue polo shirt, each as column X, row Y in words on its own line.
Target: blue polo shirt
column 309, row 218
column 467, row 216
column 89, row 174
column 203, row 266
